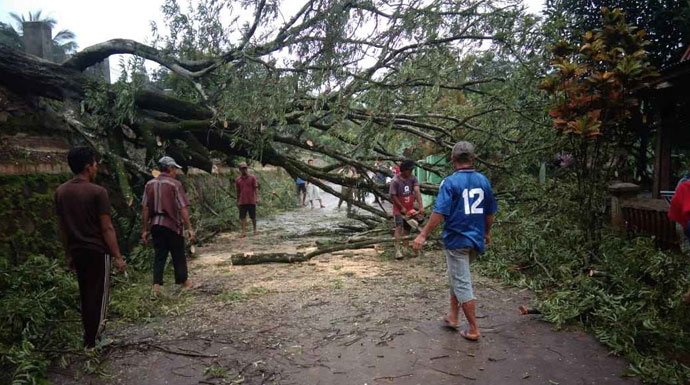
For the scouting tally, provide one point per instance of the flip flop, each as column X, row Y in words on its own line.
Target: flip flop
column 449, row 324
column 194, row 286
column 466, row 336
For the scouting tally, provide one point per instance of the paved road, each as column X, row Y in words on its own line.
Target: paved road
column 346, row 318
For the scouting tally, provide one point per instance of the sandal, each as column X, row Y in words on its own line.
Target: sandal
column 466, row 336
column 449, row 324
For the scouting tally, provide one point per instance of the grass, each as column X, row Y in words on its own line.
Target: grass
column 131, row 300
column 234, row 296
column 216, row 371
column 336, row 283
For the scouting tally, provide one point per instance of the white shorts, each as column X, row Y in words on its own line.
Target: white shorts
column 313, row 192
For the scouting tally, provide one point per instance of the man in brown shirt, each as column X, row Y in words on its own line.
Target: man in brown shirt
column 164, row 210
column 89, row 239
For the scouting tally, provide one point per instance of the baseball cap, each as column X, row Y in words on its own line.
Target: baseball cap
column 242, row 165
column 463, row 148
column 168, row 162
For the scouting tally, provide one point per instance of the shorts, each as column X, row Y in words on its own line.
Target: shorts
column 251, row 209
column 302, row 188
column 399, row 220
column 459, row 278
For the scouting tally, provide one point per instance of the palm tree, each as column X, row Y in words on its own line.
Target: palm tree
column 63, row 42
column 33, row 16
column 10, row 37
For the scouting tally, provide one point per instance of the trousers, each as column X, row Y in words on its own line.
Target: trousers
column 166, row 241
column 93, row 276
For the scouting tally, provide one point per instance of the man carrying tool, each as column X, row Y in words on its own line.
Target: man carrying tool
column 404, row 189
column 247, row 197
column 164, row 211
column 466, row 203
column 89, row 239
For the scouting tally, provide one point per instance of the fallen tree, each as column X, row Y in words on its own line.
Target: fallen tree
column 231, row 98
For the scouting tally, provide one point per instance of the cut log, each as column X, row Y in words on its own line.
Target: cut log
column 255, row 259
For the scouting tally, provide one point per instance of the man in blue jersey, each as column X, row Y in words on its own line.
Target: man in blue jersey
column 466, row 203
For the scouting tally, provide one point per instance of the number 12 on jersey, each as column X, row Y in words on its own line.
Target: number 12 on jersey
column 476, row 195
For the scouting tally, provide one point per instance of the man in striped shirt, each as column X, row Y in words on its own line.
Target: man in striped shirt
column 164, row 212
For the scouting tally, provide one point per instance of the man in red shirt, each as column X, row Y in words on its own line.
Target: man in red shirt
column 164, row 211
column 247, row 197
column 679, row 212
column 88, row 235
column 404, row 190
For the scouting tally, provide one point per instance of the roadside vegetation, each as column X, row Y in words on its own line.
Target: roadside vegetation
column 40, row 322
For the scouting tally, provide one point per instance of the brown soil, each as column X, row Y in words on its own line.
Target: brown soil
column 345, row 318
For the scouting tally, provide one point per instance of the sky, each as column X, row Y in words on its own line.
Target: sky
column 93, row 21
column 96, row 21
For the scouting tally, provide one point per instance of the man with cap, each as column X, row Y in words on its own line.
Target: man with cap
column 404, row 190
column 247, row 197
column 89, row 239
column 466, row 203
column 164, row 213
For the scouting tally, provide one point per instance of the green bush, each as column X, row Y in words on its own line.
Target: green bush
column 38, row 317
column 632, row 303
column 27, row 209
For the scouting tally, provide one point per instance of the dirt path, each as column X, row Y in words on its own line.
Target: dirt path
column 344, row 318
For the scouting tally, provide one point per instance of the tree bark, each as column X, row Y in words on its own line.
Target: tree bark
column 255, row 259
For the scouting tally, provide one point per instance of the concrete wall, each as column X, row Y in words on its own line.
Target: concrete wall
column 23, row 154
column 38, row 39
column 101, row 70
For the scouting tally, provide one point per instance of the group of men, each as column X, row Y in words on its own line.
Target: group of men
column 465, row 202
column 89, row 239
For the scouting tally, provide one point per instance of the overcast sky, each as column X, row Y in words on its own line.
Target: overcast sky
column 95, row 21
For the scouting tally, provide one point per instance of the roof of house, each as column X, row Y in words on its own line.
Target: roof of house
column 672, row 77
